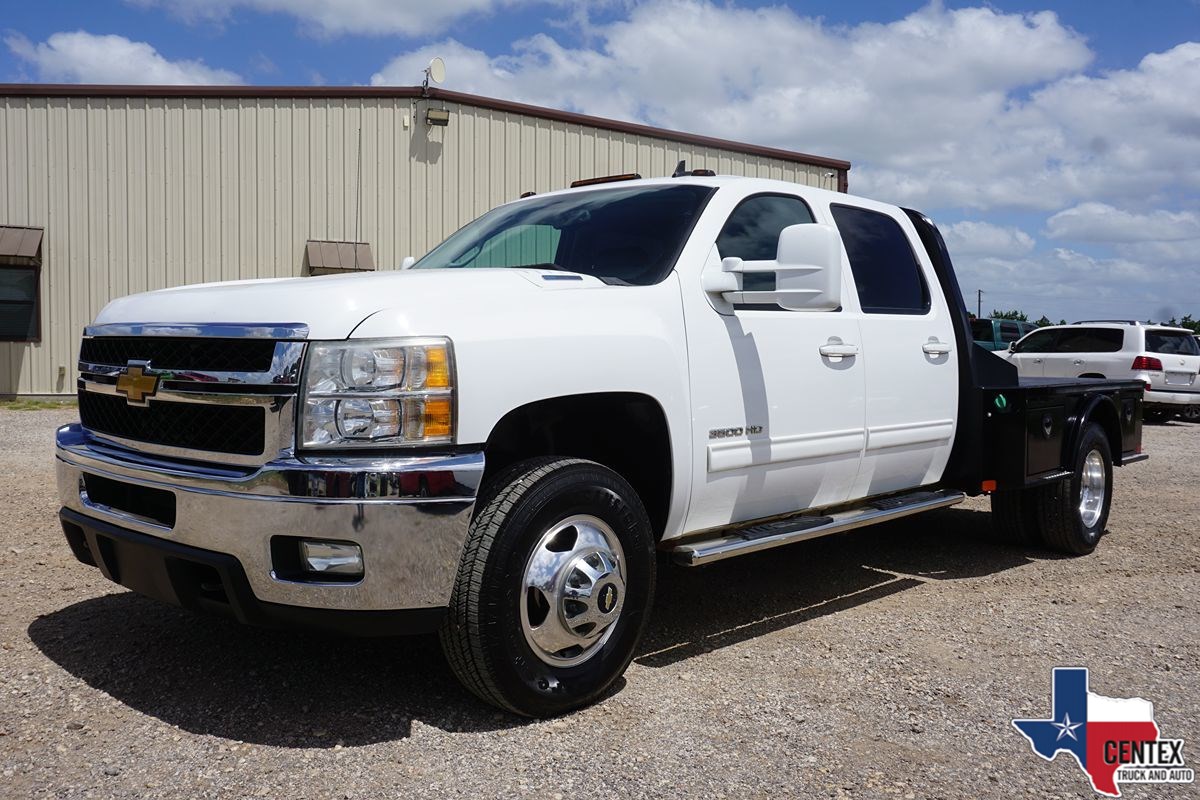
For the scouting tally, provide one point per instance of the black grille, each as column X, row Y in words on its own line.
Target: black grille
column 179, row 353
column 193, row 426
column 157, row 504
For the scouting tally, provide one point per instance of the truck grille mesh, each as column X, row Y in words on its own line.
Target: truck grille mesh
column 180, row 353
column 193, row 426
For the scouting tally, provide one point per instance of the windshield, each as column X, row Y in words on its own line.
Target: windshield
column 622, row 236
column 981, row 330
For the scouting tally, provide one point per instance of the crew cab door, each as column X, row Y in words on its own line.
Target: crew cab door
column 908, row 350
column 777, row 395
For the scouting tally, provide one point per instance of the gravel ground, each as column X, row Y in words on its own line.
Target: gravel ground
column 886, row 662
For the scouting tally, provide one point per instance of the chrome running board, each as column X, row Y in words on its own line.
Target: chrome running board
column 755, row 537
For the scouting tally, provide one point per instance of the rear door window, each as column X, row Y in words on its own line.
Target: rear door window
column 1089, row 340
column 981, row 330
column 886, row 272
column 1173, row 343
column 1009, row 332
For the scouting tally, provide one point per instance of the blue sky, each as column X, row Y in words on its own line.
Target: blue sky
column 1057, row 144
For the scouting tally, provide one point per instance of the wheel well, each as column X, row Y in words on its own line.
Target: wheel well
column 1105, row 415
column 624, row 431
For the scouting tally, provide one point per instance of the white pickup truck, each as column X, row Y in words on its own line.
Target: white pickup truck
column 494, row 442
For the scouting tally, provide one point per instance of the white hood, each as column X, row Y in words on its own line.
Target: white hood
column 332, row 306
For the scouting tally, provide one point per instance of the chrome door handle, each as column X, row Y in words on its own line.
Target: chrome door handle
column 838, row 349
column 1077, row 362
column 1037, row 361
column 936, row 348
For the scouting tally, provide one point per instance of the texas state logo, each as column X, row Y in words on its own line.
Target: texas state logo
column 1114, row 739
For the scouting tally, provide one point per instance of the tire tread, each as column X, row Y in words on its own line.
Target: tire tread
column 461, row 635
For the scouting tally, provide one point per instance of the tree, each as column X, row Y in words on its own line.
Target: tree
column 1019, row 316
column 1043, row 322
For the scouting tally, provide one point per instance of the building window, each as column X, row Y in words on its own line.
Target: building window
column 20, row 271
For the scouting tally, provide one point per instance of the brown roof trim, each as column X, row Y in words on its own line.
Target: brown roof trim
column 317, row 92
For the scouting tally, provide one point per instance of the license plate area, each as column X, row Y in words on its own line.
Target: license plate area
column 1180, row 378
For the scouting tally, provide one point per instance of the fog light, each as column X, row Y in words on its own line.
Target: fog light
column 331, row 558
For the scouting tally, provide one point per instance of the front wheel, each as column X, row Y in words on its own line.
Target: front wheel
column 553, row 587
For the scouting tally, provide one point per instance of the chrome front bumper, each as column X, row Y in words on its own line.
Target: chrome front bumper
column 409, row 515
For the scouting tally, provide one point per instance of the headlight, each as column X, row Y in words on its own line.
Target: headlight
column 375, row 393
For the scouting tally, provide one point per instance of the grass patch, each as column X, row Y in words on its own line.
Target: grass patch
column 24, row 404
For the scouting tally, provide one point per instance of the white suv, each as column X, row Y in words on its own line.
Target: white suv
column 1165, row 359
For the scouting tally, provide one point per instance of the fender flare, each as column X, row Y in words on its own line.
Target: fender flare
column 1101, row 409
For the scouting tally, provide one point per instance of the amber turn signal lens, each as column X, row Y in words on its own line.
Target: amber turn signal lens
column 438, row 417
column 438, row 368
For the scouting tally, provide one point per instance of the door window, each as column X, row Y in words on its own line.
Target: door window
column 885, row 269
column 1009, row 332
column 752, row 231
column 1037, row 342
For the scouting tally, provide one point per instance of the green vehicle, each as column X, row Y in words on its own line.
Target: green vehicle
column 998, row 334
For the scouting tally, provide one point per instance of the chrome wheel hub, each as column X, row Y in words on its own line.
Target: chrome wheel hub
column 1091, row 489
column 573, row 590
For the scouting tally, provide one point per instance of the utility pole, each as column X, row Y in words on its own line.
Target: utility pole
column 979, row 303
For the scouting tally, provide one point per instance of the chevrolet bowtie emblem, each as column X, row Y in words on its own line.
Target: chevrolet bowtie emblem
column 136, row 385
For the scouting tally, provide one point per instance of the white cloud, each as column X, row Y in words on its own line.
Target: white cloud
column 1065, row 283
column 82, row 57
column 967, row 107
column 946, row 110
column 1100, row 222
column 984, row 238
column 1184, row 252
column 336, row 17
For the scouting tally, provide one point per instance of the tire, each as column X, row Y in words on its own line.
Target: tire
column 541, row 518
column 1015, row 517
column 1154, row 416
column 1066, row 525
column 1191, row 414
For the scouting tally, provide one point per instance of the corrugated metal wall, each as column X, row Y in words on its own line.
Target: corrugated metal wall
column 141, row 193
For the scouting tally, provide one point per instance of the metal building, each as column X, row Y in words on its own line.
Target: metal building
column 110, row 190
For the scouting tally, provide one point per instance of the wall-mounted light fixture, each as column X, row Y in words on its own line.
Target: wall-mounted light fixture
column 438, row 116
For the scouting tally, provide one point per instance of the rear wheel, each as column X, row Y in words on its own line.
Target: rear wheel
column 1191, row 414
column 1073, row 512
column 1015, row 516
column 553, row 587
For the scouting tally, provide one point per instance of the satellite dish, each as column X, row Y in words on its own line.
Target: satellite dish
column 436, row 70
